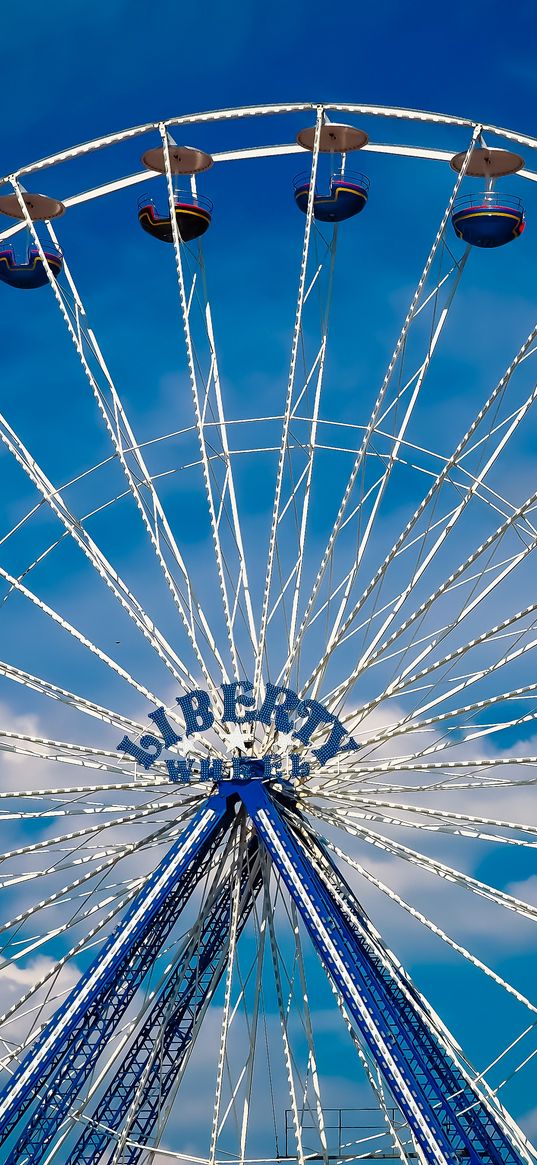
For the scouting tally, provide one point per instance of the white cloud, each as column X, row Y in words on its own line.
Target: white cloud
column 16, row 980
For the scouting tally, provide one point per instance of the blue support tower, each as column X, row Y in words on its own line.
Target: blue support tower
column 169, row 1027
column 450, row 1120
column 65, row 1052
column 426, row 1056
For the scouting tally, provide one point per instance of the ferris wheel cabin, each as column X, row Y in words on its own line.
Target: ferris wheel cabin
column 192, row 215
column 346, row 193
column 489, row 219
column 193, row 211
column 28, row 269
column 347, row 196
column 30, row 272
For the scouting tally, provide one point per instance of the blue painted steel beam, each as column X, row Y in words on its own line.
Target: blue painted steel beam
column 170, row 1026
column 395, row 1035
column 445, row 1085
column 84, row 1021
column 83, row 1048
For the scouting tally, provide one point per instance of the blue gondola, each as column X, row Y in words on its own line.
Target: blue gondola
column 192, row 213
column 347, row 196
column 31, row 272
column 489, row 219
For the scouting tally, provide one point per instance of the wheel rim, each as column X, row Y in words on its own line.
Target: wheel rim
column 386, row 590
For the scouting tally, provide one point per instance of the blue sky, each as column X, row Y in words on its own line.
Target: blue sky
column 113, row 64
column 72, row 72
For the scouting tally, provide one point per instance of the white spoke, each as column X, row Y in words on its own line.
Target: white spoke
column 75, row 835
column 199, row 414
column 327, row 555
column 347, row 806
column 288, row 406
column 85, row 642
column 71, row 699
column 409, row 724
column 189, row 610
column 371, row 656
column 433, row 927
column 226, row 1013
column 433, row 866
column 360, row 778
column 311, row 445
column 230, row 485
column 79, row 637
column 64, row 753
column 19, row 1011
column 98, row 560
column 312, row 1059
column 253, row 1024
column 120, row 900
column 394, row 453
column 297, row 1124
column 448, row 527
column 78, row 883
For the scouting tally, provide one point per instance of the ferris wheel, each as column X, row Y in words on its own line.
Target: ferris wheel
column 267, row 579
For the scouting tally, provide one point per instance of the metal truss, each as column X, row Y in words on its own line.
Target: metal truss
column 449, row 1114
column 64, row 1054
column 158, row 1052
